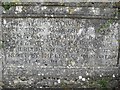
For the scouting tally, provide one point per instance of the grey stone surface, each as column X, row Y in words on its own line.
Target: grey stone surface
column 61, row 0
column 73, row 9
column 46, row 51
column 59, row 39
column 0, row 44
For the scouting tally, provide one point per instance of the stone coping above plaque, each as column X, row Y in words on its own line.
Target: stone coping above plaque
column 62, row 10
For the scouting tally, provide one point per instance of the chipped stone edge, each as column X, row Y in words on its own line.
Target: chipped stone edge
column 0, row 42
column 60, row 0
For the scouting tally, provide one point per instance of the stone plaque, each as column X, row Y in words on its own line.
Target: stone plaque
column 32, row 44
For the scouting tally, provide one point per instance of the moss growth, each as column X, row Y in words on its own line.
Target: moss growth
column 8, row 5
column 1, row 45
column 103, row 28
column 100, row 83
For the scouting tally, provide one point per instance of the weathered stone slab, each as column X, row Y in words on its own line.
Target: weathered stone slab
column 45, row 51
column 33, row 45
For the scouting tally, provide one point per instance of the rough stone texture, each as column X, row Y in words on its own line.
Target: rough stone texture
column 61, row 0
column 46, row 9
column 0, row 45
column 58, row 39
column 47, row 51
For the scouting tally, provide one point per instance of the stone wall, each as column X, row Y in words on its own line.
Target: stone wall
column 47, row 44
